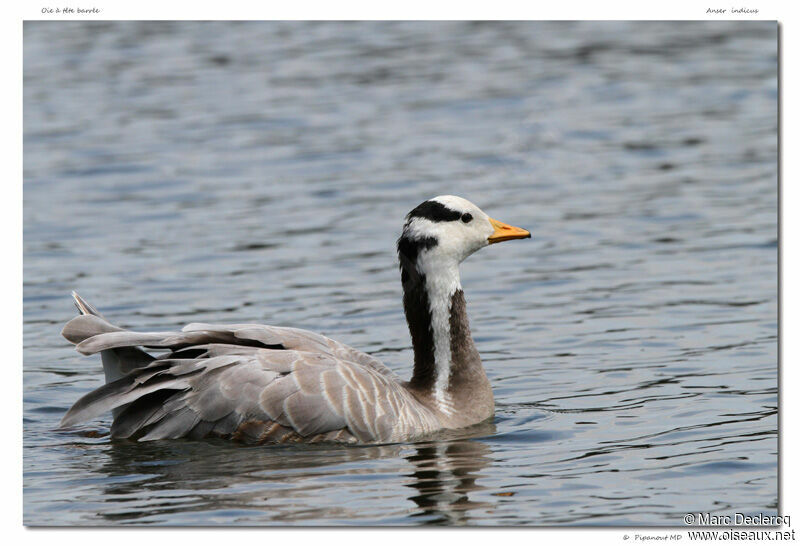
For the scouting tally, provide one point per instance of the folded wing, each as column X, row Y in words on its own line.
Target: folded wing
column 248, row 382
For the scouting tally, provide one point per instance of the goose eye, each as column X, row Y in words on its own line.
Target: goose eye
column 466, row 218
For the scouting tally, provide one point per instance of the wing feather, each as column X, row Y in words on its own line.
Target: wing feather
column 311, row 414
column 175, row 425
column 244, row 381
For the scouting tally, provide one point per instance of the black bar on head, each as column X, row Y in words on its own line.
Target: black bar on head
column 435, row 212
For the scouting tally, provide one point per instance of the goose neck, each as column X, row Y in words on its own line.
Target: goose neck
column 434, row 305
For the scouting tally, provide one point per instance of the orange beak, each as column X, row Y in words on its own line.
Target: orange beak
column 504, row 232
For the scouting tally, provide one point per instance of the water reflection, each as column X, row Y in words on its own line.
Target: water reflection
column 150, row 481
column 445, row 475
column 213, row 476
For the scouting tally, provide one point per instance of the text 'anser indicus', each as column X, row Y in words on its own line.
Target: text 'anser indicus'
column 257, row 383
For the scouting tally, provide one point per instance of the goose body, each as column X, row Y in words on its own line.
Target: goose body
column 257, row 383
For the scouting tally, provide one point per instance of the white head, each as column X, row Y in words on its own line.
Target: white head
column 445, row 230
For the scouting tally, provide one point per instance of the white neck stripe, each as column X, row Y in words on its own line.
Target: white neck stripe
column 441, row 282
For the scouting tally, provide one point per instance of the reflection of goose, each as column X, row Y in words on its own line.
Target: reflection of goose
column 174, row 483
column 445, row 476
column 156, row 481
column 264, row 383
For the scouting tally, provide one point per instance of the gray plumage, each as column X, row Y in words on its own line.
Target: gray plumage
column 248, row 382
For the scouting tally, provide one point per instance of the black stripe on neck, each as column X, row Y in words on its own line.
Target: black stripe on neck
column 418, row 316
column 408, row 251
column 417, row 309
column 434, row 211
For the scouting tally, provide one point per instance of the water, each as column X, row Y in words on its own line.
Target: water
column 259, row 172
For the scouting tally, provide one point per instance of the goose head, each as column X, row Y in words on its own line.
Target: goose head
column 437, row 236
column 445, row 230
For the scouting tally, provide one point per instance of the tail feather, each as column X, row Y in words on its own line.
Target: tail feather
column 117, row 361
column 85, row 307
column 117, row 395
column 86, row 326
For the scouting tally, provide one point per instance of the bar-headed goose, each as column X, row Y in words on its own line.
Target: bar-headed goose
column 259, row 383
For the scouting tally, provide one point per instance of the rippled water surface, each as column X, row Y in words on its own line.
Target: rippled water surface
column 259, row 172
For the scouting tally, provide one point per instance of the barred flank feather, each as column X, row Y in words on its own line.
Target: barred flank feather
column 247, row 382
